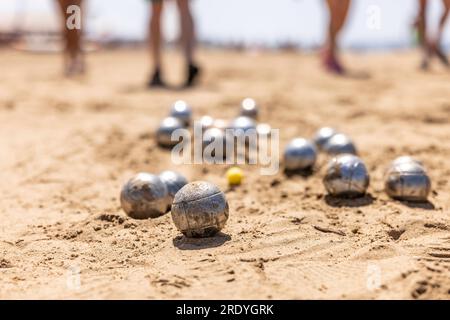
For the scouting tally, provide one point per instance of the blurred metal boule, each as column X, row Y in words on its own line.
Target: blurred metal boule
column 322, row 136
column 220, row 124
column 174, row 181
column 206, row 122
column 407, row 180
column 242, row 133
column 299, row 154
column 242, row 123
column 200, row 209
column 144, row 196
column 346, row 176
column 249, row 108
column 217, row 139
column 181, row 110
column 405, row 159
column 264, row 130
column 339, row 144
column 165, row 130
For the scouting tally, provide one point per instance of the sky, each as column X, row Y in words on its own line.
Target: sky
column 372, row 23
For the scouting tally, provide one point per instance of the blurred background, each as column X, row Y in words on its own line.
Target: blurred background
column 249, row 23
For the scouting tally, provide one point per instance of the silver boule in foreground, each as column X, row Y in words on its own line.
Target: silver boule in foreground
column 339, row 144
column 200, row 209
column 407, row 181
column 181, row 110
column 322, row 136
column 299, row 154
column 165, row 130
column 144, row 196
column 346, row 176
column 173, row 181
column 249, row 108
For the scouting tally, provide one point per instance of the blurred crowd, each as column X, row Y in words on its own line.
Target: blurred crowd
column 338, row 11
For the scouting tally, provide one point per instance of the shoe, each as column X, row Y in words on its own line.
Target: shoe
column 156, row 81
column 193, row 73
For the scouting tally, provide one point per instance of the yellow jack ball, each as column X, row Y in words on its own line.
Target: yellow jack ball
column 234, row 176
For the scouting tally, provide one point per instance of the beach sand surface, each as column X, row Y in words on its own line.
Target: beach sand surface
column 67, row 146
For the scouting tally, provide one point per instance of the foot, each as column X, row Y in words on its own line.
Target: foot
column 192, row 75
column 331, row 63
column 437, row 51
column 74, row 67
column 156, row 80
column 425, row 64
column 426, row 58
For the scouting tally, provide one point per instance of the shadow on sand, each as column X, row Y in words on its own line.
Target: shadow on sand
column 301, row 173
column 132, row 89
column 184, row 243
column 426, row 205
column 349, row 202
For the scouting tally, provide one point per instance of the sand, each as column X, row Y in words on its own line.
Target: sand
column 67, row 146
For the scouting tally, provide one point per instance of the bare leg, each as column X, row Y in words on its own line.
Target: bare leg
column 188, row 40
column 187, row 29
column 74, row 58
column 155, row 42
column 421, row 24
column 338, row 10
column 436, row 44
column 445, row 14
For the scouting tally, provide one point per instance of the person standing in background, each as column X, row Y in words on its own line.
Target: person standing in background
column 74, row 63
column 338, row 11
column 431, row 47
column 187, row 40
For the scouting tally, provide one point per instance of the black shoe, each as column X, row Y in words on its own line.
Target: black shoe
column 193, row 73
column 156, row 80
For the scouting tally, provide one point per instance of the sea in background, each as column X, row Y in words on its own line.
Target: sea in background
column 267, row 23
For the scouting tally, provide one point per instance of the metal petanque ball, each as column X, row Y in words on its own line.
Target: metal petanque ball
column 144, row 196
column 215, row 137
column 220, row 124
column 322, row 136
column 339, row 144
column 165, row 130
column 405, row 159
column 249, row 108
column 264, row 130
column 299, row 154
column 243, row 123
column 407, row 181
column 174, row 182
column 182, row 111
column 206, row 122
column 200, row 209
column 346, row 176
